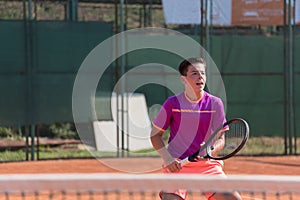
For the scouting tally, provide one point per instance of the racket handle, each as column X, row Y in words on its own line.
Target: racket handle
column 184, row 161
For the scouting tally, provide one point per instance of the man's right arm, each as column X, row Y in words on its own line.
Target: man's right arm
column 157, row 141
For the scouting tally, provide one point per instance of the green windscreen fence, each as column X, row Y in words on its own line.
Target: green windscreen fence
column 40, row 59
column 13, row 69
column 39, row 62
column 297, row 80
column 252, row 69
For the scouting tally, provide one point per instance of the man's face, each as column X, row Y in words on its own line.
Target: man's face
column 195, row 78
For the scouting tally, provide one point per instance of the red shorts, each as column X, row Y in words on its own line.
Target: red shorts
column 205, row 167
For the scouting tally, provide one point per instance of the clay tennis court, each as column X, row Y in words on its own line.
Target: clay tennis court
column 269, row 165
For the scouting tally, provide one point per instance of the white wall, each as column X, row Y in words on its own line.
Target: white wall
column 137, row 125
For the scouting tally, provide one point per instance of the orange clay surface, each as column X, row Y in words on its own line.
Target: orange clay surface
column 273, row 165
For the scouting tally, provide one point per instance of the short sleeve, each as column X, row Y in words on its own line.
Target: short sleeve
column 219, row 114
column 163, row 118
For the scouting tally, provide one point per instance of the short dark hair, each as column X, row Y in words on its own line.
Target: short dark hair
column 183, row 66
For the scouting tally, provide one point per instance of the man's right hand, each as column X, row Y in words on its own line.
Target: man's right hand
column 174, row 166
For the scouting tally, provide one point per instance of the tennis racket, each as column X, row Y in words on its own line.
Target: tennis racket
column 235, row 132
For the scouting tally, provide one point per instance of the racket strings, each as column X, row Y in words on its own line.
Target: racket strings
column 234, row 137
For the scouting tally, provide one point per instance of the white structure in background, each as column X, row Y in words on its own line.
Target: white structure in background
column 297, row 12
column 136, row 122
column 182, row 11
column 189, row 12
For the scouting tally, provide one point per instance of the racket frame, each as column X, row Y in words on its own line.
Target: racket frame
column 195, row 156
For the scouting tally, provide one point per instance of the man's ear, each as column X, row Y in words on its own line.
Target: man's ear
column 183, row 79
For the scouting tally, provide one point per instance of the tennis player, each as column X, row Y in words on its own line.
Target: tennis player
column 191, row 116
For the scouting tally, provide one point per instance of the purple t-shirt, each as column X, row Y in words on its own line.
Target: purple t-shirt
column 191, row 123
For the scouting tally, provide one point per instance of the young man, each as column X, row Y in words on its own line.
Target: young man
column 191, row 116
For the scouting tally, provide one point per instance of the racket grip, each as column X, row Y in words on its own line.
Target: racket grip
column 184, row 161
